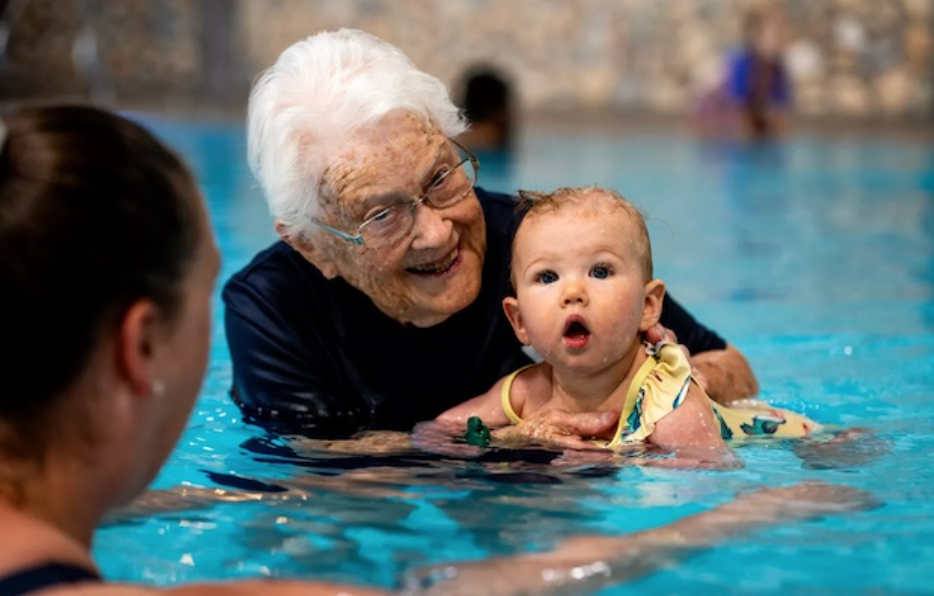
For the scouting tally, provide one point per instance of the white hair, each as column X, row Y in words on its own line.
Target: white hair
column 320, row 90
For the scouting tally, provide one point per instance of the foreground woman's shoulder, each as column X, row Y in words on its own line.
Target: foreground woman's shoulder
column 269, row 588
column 237, row 588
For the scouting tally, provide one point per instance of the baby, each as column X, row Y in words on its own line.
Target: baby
column 584, row 297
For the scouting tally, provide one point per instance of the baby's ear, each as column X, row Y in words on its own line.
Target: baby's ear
column 511, row 307
column 652, row 308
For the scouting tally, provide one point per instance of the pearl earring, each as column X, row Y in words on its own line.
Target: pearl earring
column 158, row 389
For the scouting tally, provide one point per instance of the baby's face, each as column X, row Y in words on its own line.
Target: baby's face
column 580, row 287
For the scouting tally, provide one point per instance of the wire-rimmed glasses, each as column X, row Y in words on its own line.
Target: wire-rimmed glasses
column 391, row 224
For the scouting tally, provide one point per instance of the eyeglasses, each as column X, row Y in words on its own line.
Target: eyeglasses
column 392, row 224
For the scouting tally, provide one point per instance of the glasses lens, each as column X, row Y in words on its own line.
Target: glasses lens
column 454, row 186
column 388, row 226
column 394, row 223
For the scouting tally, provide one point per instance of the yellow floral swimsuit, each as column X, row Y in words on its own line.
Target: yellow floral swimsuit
column 660, row 386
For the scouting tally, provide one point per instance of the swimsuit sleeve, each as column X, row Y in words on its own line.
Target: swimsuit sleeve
column 660, row 386
column 283, row 373
column 505, row 392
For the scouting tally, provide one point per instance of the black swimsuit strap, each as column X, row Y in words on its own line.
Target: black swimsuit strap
column 44, row 576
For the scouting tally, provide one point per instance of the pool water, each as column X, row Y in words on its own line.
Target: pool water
column 814, row 256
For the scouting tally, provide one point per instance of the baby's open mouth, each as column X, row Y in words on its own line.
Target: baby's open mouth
column 438, row 267
column 576, row 333
column 576, row 329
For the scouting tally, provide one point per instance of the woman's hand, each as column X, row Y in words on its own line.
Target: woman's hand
column 724, row 375
column 371, row 442
column 561, row 428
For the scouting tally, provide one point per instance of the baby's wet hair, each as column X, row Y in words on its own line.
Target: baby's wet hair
column 532, row 203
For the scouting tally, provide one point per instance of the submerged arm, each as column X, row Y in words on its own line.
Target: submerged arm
column 588, row 563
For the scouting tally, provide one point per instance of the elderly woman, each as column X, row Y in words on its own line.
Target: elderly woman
column 380, row 308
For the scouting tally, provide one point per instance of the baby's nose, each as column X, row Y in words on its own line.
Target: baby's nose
column 574, row 293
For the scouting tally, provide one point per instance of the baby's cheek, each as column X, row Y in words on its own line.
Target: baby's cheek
column 631, row 322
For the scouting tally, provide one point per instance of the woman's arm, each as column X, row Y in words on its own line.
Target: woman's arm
column 260, row 588
column 728, row 374
column 588, row 563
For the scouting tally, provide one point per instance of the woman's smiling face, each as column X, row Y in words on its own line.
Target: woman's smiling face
column 433, row 272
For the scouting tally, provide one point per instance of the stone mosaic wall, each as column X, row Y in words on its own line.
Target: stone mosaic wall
column 848, row 58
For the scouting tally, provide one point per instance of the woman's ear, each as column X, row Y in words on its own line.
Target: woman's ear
column 305, row 247
column 652, row 307
column 136, row 346
column 511, row 308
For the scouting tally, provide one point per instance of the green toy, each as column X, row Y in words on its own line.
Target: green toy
column 477, row 432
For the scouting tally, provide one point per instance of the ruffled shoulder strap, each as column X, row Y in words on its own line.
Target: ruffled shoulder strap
column 660, row 386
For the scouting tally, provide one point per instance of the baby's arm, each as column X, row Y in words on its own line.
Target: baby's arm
column 487, row 407
column 530, row 395
column 691, row 424
column 531, row 388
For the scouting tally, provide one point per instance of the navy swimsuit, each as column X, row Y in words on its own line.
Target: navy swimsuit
column 42, row 577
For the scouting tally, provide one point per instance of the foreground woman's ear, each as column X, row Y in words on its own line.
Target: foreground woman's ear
column 136, row 347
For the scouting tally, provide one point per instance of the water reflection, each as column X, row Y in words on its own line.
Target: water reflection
column 815, row 257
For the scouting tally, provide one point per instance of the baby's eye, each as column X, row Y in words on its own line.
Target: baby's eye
column 546, row 277
column 601, row 271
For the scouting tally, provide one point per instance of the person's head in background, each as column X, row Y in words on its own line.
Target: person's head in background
column 582, row 273
column 107, row 264
column 764, row 32
column 487, row 100
column 346, row 137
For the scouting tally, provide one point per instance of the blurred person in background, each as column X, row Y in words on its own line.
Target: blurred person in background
column 487, row 100
column 754, row 99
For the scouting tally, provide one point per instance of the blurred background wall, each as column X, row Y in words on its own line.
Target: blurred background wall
column 850, row 59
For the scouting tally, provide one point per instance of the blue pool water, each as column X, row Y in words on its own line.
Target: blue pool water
column 815, row 257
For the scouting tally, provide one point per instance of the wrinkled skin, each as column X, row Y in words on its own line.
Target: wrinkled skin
column 435, row 271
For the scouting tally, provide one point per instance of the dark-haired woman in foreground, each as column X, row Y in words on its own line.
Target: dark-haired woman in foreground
column 107, row 265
